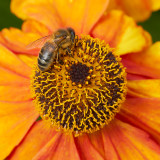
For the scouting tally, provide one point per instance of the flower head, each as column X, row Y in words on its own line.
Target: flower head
column 84, row 96
column 84, row 93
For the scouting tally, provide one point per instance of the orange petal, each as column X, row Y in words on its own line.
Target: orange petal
column 80, row 15
column 42, row 142
column 122, row 33
column 11, row 62
column 144, row 88
column 36, row 27
column 42, row 11
column 140, row 10
column 15, row 121
column 148, row 59
column 144, row 113
column 86, row 149
column 29, row 60
column 15, row 93
column 11, row 78
column 129, row 143
column 14, row 82
column 17, row 40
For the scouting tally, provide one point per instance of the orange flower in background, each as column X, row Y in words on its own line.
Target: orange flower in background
column 132, row 134
column 140, row 10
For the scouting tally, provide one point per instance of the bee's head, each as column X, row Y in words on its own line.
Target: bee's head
column 72, row 32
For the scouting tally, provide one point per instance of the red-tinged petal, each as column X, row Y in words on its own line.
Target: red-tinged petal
column 97, row 141
column 122, row 33
column 60, row 147
column 66, row 149
column 86, row 149
column 18, row 44
column 11, row 62
column 131, row 76
column 49, row 149
column 129, row 143
column 11, row 78
column 43, row 142
column 103, row 145
column 138, row 69
column 81, row 15
column 144, row 88
column 110, row 150
column 15, row 121
column 148, row 60
column 140, row 10
column 144, row 113
column 35, row 140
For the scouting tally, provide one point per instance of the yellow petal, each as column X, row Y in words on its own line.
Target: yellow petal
column 122, row 33
column 134, row 39
column 148, row 59
column 29, row 60
column 144, row 88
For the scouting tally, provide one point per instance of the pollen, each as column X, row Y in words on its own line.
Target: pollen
column 83, row 94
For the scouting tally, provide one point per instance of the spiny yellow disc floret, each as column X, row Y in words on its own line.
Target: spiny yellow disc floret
column 83, row 94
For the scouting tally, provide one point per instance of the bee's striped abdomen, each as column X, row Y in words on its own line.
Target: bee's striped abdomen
column 46, row 56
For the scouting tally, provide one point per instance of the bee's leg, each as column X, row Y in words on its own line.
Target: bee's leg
column 58, row 60
column 57, row 56
column 69, row 51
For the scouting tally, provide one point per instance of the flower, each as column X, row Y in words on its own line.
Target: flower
column 83, row 94
column 140, row 10
column 132, row 134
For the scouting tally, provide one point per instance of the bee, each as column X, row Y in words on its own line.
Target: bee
column 53, row 46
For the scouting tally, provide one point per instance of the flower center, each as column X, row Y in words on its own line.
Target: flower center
column 78, row 72
column 85, row 92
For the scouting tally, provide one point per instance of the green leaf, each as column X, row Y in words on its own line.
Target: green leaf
column 7, row 19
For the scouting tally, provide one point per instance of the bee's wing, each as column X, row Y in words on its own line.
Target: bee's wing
column 39, row 42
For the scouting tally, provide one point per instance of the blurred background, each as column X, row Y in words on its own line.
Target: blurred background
column 7, row 19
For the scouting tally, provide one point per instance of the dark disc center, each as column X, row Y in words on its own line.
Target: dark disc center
column 79, row 72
